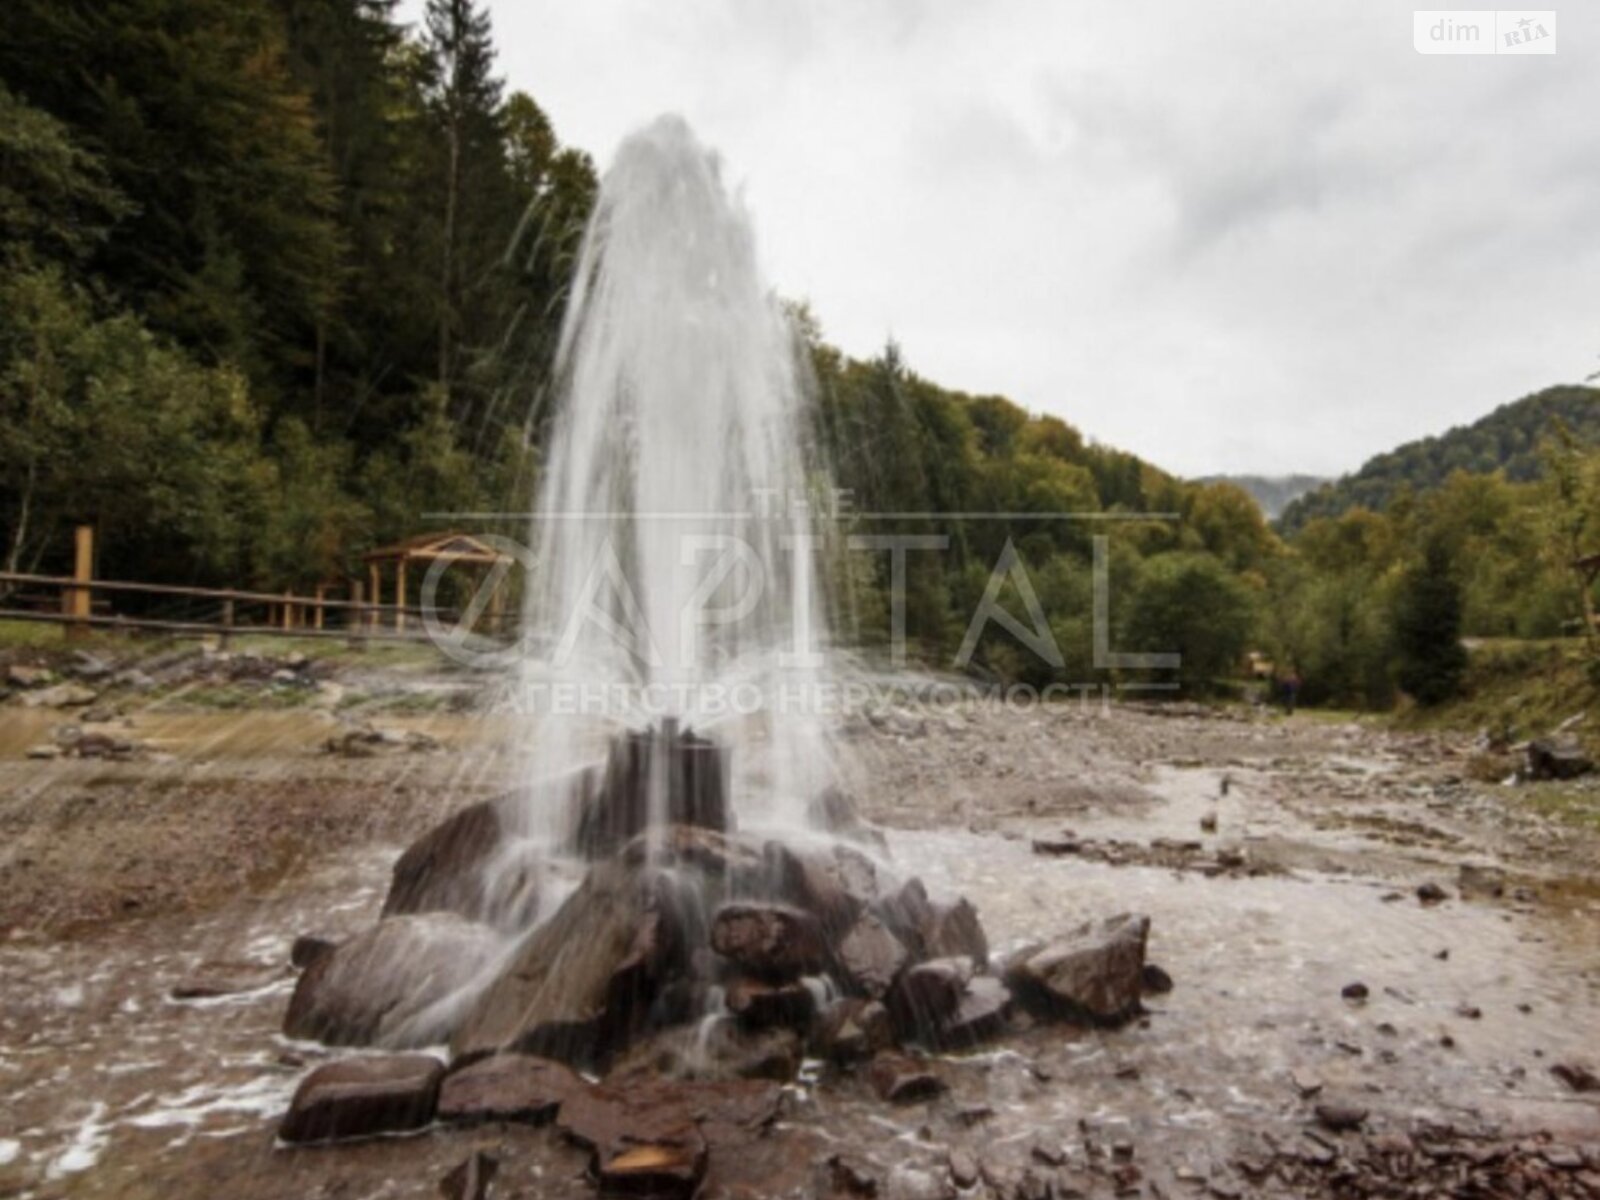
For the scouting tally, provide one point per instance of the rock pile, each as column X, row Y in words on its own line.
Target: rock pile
column 692, row 968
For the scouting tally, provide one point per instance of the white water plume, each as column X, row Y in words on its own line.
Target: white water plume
column 674, row 571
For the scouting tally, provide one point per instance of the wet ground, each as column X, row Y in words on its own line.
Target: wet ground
column 1323, row 833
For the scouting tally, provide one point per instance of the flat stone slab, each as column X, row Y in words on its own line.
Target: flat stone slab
column 361, row 1097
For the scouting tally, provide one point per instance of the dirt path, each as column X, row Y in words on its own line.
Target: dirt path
column 1308, row 883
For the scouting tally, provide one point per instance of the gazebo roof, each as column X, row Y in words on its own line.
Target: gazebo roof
column 451, row 544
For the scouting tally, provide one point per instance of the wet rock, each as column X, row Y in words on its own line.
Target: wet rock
column 836, row 883
column 466, row 865
column 667, row 1167
column 212, row 980
column 507, row 1087
column 954, row 929
column 869, row 957
column 715, row 1051
column 612, row 805
column 360, row 1097
column 655, row 1134
column 852, row 1029
column 899, row 1079
column 584, row 981
column 1094, row 972
column 761, row 1005
column 770, row 941
column 1154, row 980
column 1354, row 991
column 729, row 863
column 1432, row 893
column 926, row 995
column 62, row 695
column 983, row 1013
column 390, row 984
column 470, row 1179
column 1340, row 1118
column 307, row 948
column 1557, row 758
column 1577, row 1076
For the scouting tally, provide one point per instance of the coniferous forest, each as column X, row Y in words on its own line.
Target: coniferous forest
column 280, row 276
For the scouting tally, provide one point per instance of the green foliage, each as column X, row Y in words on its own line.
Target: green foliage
column 1430, row 659
column 1193, row 605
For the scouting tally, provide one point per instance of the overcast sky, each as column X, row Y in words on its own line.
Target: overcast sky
column 1229, row 236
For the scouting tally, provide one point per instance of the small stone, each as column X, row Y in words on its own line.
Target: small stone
column 1340, row 1118
column 1305, row 1083
column 1208, row 823
column 1048, row 1154
column 1432, row 893
column 44, row 751
column 1577, row 1077
column 1354, row 991
column 899, row 1079
column 1470, row 1011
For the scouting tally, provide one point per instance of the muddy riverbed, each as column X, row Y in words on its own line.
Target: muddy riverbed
column 1279, row 862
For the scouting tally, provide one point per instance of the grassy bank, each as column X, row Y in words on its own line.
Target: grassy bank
column 1518, row 690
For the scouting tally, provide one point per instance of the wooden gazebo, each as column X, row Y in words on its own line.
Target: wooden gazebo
column 426, row 548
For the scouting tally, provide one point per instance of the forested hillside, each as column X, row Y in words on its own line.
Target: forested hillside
column 278, row 277
column 1507, row 440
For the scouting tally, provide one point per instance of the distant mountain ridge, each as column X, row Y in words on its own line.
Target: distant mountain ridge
column 1273, row 493
column 1507, row 439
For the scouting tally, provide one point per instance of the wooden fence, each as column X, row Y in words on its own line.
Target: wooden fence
column 82, row 603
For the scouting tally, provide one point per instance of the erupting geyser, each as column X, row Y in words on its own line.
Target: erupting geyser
column 675, row 574
column 673, row 897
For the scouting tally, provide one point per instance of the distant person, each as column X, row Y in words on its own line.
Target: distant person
column 1291, row 691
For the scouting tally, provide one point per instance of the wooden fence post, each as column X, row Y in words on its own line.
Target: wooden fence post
column 78, row 599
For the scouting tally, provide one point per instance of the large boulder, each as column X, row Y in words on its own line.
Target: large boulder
column 362, row 1097
column 614, row 804
column 581, row 984
column 1555, row 758
column 467, row 865
column 933, row 930
column 396, row 984
column 1092, row 973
